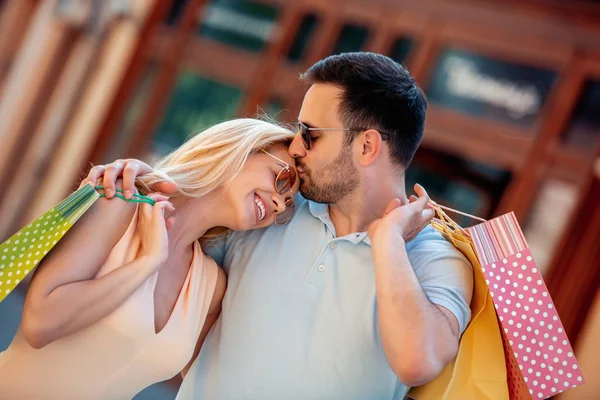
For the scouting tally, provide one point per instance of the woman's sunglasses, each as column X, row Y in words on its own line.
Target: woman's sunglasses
column 304, row 131
column 284, row 182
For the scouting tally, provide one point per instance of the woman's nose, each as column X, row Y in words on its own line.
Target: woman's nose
column 278, row 203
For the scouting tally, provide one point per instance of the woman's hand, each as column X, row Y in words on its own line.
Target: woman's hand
column 128, row 170
column 153, row 225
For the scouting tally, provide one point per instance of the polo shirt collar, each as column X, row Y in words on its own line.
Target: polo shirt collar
column 321, row 211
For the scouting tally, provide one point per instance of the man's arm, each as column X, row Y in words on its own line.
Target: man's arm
column 418, row 336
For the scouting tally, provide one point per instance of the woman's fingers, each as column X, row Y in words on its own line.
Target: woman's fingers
column 156, row 196
column 130, row 172
column 111, row 173
column 161, row 204
column 128, row 169
column 133, row 168
column 157, row 214
column 161, row 207
column 93, row 175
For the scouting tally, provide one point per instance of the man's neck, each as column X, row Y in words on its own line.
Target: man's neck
column 358, row 210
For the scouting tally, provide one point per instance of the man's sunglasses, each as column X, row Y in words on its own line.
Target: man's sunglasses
column 305, row 130
column 284, row 182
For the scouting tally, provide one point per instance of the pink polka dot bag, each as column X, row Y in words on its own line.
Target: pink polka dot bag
column 538, row 359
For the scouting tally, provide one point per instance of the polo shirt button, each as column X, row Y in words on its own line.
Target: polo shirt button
column 321, row 268
column 333, row 245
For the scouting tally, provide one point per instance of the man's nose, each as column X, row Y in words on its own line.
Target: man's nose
column 296, row 148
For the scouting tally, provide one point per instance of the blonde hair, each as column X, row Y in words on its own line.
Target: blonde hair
column 215, row 156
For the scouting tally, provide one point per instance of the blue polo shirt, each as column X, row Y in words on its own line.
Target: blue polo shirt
column 299, row 318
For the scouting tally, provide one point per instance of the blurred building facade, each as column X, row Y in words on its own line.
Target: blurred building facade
column 513, row 88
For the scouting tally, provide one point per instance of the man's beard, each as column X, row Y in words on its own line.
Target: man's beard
column 333, row 182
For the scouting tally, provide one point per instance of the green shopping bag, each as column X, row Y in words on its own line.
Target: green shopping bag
column 23, row 251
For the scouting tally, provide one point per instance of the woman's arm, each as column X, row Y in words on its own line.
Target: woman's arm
column 213, row 314
column 65, row 295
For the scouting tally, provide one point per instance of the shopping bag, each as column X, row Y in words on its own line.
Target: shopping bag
column 539, row 358
column 479, row 369
column 23, row 251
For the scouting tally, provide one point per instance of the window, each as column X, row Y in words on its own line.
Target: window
column 197, row 103
column 243, row 24
column 400, row 50
column 584, row 128
column 307, row 27
column 351, row 38
column 176, row 11
column 484, row 87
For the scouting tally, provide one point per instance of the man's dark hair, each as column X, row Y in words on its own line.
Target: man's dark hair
column 378, row 93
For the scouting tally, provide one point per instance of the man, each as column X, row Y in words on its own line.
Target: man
column 354, row 298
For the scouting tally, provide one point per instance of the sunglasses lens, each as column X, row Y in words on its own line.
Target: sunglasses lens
column 293, row 177
column 286, row 216
column 285, row 180
column 282, row 183
column 305, row 135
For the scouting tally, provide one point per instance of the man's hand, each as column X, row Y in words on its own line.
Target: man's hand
column 403, row 220
column 128, row 170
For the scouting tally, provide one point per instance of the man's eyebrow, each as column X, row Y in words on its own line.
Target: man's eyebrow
column 308, row 124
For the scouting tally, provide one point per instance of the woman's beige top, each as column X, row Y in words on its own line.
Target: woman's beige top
column 121, row 354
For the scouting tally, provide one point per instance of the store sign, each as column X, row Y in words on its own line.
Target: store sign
column 234, row 21
column 243, row 24
column 465, row 80
column 484, row 87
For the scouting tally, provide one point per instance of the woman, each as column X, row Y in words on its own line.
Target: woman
column 127, row 297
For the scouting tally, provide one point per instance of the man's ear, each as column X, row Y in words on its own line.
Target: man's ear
column 370, row 146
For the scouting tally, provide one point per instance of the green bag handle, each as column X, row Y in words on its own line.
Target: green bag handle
column 137, row 198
